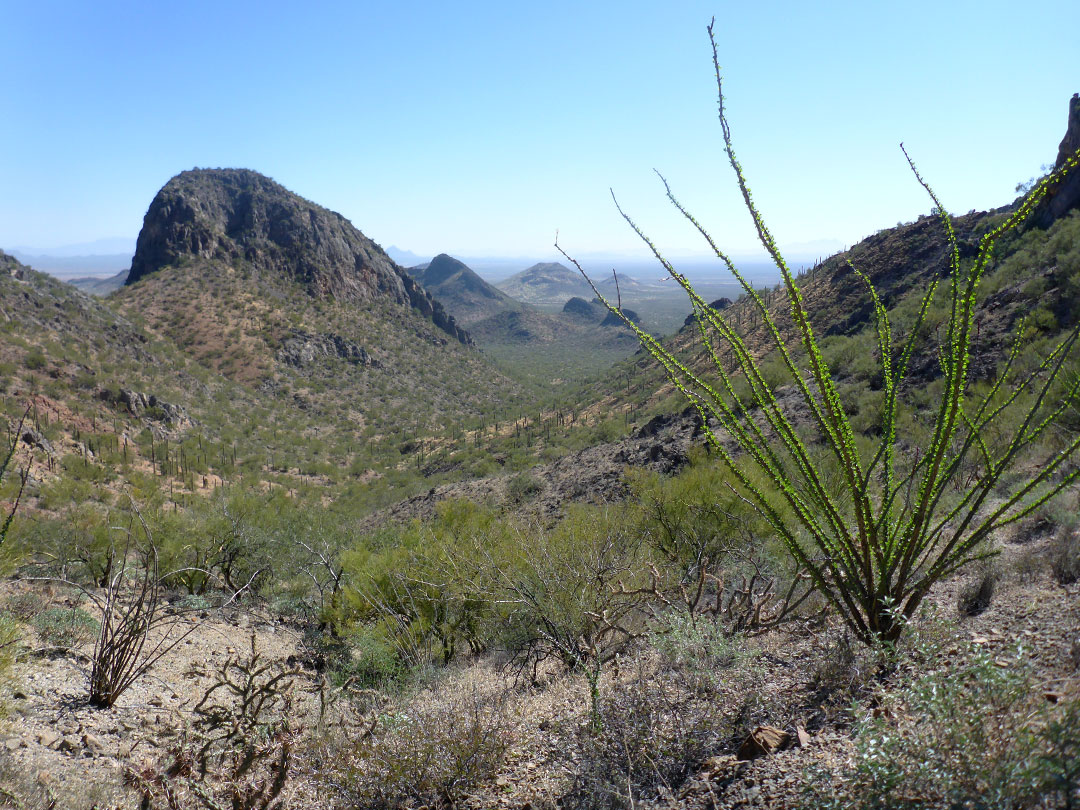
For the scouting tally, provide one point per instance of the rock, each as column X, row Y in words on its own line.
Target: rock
column 92, row 744
column 48, row 738
column 803, row 735
column 1064, row 195
column 151, row 406
column 722, row 767
column 68, row 744
column 762, row 741
column 301, row 349
column 34, row 439
column 14, row 743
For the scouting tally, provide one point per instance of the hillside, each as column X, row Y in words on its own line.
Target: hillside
column 278, row 293
column 532, row 346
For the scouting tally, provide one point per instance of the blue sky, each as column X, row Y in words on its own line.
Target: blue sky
column 481, row 128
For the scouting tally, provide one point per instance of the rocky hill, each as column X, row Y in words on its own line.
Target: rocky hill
column 461, row 291
column 284, row 296
column 546, row 283
column 236, row 216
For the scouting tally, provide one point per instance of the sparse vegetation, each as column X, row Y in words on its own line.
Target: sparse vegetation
column 432, row 755
column 65, row 627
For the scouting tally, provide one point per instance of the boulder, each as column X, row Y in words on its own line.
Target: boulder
column 763, row 740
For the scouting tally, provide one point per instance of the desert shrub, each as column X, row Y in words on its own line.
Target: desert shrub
column 8, row 454
column 35, row 360
column 576, row 594
column 9, row 638
column 25, row 605
column 430, row 752
column 702, row 652
column 239, row 748
column 1065, row 556
column 971, row 734
column 426, row 590
column 372, row 661
column 523, row 487
column 694, row 696
column 74, row 547
column 65, row 627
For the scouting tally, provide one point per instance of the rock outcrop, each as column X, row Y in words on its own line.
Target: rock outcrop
column 301, row 349
column 580, row 308
column 1065, row 194
column 150, row 406
column 238, row 217
column 720, row 304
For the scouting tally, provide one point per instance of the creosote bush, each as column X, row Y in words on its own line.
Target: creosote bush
column 972, row 734
column 427, row 752
column 875, row 525
column 65, row 627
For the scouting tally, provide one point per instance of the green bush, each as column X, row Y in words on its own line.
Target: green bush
column 35, row 360
column 974, row 734
column 65, row 627
column 523, row 487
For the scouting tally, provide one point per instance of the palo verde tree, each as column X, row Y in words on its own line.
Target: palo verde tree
column 875, row 528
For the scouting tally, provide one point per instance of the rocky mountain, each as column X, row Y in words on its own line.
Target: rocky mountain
column 239, row 217
column 596, row 313
column 461, row 291
column 286, row 297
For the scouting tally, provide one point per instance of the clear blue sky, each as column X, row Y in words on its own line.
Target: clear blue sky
column 481, row 128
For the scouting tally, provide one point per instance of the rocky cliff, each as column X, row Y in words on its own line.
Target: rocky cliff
column 1064, row 195
column 237, row 216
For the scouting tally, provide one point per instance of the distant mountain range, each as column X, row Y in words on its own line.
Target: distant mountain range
column 65, row 267
column 551, row 283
